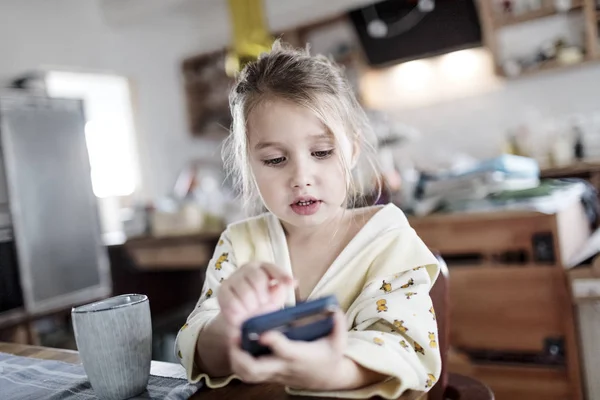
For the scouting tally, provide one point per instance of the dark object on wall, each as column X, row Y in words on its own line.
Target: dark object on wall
column 408, row 31
column 11, row 296
column 543, row 247
column 206, row 90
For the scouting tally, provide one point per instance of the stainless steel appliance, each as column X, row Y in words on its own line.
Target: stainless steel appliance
column 50, row 209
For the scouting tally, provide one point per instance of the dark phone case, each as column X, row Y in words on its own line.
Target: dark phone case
column 283, row 318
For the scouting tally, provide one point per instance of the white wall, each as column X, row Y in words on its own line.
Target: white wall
column 72, row 34
column 146, row 45
column 474, row 116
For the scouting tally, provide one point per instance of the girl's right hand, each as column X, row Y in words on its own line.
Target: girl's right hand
column 254, row 289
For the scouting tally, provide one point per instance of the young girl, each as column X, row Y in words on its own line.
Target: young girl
column 298, row 146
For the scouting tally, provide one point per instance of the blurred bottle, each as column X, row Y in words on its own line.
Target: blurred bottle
column 561, row 152
column 579, row 146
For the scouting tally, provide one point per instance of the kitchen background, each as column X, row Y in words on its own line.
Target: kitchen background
column 147, row 42
column 479, row 108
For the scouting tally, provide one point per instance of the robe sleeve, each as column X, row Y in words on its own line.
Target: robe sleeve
column 220, row 267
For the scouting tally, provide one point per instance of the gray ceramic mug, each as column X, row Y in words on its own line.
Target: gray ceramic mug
column 114, row 339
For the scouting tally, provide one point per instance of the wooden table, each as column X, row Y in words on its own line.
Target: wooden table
column 235, row 390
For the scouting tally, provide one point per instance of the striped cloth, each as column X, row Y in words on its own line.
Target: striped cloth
column 24, row 378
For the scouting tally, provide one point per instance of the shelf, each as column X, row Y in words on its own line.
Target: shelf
column 550, row 66
column 546, row 11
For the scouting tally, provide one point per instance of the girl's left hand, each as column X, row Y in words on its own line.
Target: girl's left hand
column 303, row 365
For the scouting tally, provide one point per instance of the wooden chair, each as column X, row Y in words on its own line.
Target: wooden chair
column 451, row 386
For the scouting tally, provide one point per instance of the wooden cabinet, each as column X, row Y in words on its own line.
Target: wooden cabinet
column 510, row 237
column 516, row 382
column 506, row 309
column 511, row 312
column 206, row 90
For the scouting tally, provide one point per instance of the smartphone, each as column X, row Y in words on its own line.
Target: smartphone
column 306, row 321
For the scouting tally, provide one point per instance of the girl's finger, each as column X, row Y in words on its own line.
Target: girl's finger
column 281, row 346
column 254, row 370
column 230, row 305
column 246, row 294
column 277, row 274
column 259, row 281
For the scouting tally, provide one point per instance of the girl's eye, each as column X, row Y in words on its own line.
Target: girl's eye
column 322, row 154
column 274, row 161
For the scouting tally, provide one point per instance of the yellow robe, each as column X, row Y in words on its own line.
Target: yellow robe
column 382, row 281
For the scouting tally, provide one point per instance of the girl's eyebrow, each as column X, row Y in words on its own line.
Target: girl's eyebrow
column 264, row 145
column 318, row 137
column 322, row 136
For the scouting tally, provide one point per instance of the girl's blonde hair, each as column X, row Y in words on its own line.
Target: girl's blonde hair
column 318, row 84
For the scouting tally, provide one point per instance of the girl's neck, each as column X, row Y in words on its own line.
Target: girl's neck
column 325, row 231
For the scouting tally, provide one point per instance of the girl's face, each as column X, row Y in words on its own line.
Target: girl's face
column 296, row 163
